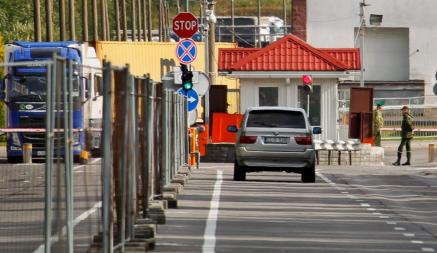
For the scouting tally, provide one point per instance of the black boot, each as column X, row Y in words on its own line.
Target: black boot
column 408, row 159
column 398, row 161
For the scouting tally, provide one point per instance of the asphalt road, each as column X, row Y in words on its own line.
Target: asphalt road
column 348, row 209
column 22, row 207
column 419, row 152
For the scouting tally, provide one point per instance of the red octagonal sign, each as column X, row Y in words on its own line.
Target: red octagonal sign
column 185, row 25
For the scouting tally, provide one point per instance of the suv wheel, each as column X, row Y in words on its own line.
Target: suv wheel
column 239, row 173
column 309, row 174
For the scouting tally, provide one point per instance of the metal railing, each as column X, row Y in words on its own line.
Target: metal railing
column 146, row 149
column 425, row 121
column 59, row 207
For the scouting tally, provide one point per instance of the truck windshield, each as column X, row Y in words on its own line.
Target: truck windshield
column 33, row 88
column 26, row 87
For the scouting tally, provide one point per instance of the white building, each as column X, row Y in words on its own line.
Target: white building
column 272, row 76
column 400, row 55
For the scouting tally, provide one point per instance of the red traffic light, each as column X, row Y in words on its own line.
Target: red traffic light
column 307, row 84
column 307, row 79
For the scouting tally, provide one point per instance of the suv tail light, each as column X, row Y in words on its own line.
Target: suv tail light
column 304, row 140
column 247, row 139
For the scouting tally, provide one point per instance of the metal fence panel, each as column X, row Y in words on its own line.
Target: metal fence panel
column 58, row 206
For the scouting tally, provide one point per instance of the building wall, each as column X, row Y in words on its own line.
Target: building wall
column 299, row 18
column 386, row 54
column 334, row 27
column 288, row 96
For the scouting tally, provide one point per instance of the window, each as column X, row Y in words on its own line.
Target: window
column 276, row 118
column 268, row 96
column 314, row 106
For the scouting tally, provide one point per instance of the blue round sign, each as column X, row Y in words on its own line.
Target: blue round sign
column 192, row 97
column 186, row 51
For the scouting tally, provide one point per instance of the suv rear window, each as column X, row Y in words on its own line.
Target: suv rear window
column 276, row 118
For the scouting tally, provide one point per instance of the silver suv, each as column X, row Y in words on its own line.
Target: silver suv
column 275, row 139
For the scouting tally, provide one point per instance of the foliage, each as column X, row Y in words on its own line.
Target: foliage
column 16, row 16
column 16, row 22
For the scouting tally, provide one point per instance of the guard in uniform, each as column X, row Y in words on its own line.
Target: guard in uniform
column 378, row 123
column 406, row 135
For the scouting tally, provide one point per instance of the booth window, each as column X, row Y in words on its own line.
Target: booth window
column 314, row 108
column 268, row 96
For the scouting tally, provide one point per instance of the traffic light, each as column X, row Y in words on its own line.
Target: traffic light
column 187, row 78
column 307, row 84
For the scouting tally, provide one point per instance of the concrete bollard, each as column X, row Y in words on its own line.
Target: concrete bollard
column 27, row 153
column 431, row 152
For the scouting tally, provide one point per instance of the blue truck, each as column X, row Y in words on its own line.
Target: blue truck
column 24, row 93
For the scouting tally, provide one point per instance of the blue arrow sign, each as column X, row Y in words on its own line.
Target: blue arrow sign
column 192, row 97
column 186, row 51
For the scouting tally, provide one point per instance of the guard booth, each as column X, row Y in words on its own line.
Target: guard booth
column 361, row 115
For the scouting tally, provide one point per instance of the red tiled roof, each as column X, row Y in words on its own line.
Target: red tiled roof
column 229, row 56
column 349, row 56
column 288, row 54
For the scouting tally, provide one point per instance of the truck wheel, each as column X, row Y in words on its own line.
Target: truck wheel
column 76, row 159
column 309, row 174
column 15, row 159
column 239, row 173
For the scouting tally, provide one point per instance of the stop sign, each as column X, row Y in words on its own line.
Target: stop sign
column 185, row 25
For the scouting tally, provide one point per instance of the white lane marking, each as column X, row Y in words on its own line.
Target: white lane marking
column 371, row 209
column 427, row 250
column 79, row 219
column 399, row 229
column 95, row 160
column 384, row 217
column 87, row 213
column 359, row 200
column 345, row 192
column 78, row 167
column 377, row 213
column 417, row 242
column 392, row 222
column 217, row 167
column 365, row 205
column 327, row 180
column 422, row 168
column 211, row 224
column 409, row 234
column 169, row 244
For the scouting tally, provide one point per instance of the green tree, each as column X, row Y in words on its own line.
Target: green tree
column 16, row 20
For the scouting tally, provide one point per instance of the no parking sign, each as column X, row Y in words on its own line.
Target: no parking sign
column 186, row 51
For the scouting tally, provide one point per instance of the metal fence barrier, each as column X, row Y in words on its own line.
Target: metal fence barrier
column 148, row 147
column 58, row 206
column 42, row 204
column 425, row 121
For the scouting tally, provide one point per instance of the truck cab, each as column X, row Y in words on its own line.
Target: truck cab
column 25, row 89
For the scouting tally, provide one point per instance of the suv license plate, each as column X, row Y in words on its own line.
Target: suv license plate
column 275, row 140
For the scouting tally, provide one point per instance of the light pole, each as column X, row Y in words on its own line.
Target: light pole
column 374, row 20
column 211, row 19
column 361, row 31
